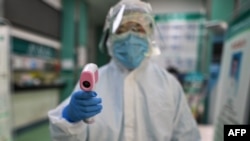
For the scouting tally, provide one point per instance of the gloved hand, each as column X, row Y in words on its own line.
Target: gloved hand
column 82, row 105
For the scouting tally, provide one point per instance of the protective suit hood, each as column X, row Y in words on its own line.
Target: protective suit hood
column 129, row 10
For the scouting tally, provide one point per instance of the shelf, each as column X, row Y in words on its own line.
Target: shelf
column 40, row 87
column 30, row 70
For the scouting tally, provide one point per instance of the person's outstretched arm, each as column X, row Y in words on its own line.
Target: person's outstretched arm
column 185, row 126
column 66, row 121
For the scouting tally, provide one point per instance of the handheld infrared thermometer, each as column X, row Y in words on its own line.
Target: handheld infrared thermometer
column 89, row 77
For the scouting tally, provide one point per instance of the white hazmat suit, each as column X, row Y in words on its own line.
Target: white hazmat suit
column 143, row 104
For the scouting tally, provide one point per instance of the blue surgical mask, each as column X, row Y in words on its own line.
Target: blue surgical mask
column 130, row 50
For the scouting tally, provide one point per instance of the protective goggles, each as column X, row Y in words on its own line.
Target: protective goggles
column 140, row 23
column 130, row 26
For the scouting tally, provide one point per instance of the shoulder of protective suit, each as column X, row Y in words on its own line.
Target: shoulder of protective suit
column 103, row 68
column 159, row 69
column 171, row 80
column 107, row 68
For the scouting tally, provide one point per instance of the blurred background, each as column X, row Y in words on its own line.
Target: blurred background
column 44, row 44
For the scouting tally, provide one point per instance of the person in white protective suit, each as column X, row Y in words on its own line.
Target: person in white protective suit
column 134, row 99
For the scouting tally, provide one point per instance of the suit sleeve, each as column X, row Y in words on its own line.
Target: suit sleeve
column 61, row 129
column 185, row 126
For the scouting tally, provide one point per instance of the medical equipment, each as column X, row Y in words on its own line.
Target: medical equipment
column 88, row 78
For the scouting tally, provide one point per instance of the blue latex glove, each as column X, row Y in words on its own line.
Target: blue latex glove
column 82, row 105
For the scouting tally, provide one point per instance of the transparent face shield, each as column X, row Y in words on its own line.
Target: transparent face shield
column 132, row 18
column 138, row 23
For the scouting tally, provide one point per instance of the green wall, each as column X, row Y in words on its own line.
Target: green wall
column 82, row 31
column 68, row 46
column 102, row 56
column 74, row 35
column 222, row 9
